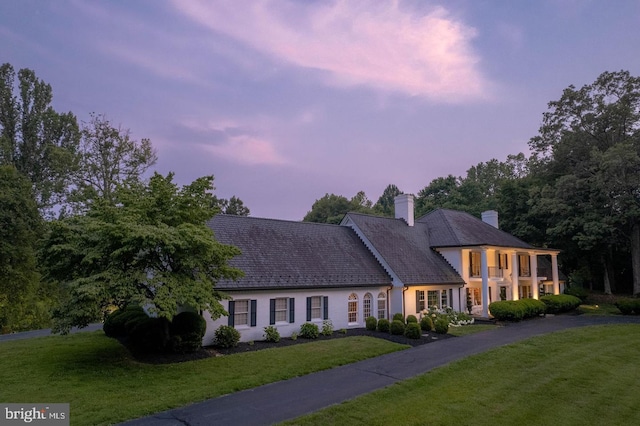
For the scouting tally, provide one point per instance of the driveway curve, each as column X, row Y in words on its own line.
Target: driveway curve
column 276, row 402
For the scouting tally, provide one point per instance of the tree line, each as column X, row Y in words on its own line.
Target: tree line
column 82, row 230
column 577, row 191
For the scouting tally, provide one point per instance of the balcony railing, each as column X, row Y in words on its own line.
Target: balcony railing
column 495, row 272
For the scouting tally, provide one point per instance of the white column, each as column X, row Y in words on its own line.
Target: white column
column 514, row 276
column 535, row 287
column 554, row 273
column 485, row 283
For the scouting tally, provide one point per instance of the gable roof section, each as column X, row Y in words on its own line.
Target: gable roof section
column 282, row 254
column 452, row 228
column 405, row 249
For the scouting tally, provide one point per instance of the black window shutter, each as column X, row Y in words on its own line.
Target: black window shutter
column 470, row 263
column 308, row 309
column 292, row 310
column 326, row 307
column 418, row 301
column 232, row 311
column 272, row 311
column 254, row 308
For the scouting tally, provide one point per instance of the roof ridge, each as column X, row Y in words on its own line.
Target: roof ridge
column 274, row 220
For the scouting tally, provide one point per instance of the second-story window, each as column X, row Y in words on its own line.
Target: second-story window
column 474, row 264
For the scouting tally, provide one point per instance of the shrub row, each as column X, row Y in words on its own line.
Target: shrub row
column 144, row 334
column 629, row 306
column 516, row 310
column 558, row 303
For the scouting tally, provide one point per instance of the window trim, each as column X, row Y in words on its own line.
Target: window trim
column 352, row 309
column 366, row 306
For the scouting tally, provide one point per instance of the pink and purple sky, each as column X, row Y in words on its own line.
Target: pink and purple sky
column 284, row 101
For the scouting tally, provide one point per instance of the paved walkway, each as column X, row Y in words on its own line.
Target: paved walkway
column 44, row 332
column 288, row 399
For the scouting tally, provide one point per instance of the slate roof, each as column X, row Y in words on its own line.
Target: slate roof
column 452, row 228
column 406, row 249
column 283, row 254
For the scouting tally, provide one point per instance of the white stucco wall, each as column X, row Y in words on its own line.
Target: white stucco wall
column 338, row 311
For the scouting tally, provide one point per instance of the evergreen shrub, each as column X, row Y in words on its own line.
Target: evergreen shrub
column 558, row 303
column 426, row 324
column 148, row 335
column 383, row 325
column 397, row 327
column 227, row 337
column 412, row 318
column 271, row 334
column 398, row 317
column 309, row 330
column 413, row 331
column 441, row 326
column 371, row 323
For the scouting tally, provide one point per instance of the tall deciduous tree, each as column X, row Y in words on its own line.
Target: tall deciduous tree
column 587, row 150
column 233, row 206
column 152, row 247
column 331, row 208
column 40, row 142
column 108, row 158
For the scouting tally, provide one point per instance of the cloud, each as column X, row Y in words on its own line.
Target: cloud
column 234, row 142
column 356, row 42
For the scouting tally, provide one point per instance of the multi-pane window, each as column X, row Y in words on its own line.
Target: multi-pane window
column 525, row 292
column 474, row 264
column 444, row 299
column 353, row 308
column 432, row 298
column 502, row 261
column 241, row 314
column 316, row 307
column 366, row 305
column 523, row 263
column 282, row 309
column 420, row 300
column 382, row 305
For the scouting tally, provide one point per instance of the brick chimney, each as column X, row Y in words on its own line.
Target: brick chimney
column 491, row 217
column 404, row 208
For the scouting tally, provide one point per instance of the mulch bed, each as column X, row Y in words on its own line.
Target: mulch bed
column 211, row 351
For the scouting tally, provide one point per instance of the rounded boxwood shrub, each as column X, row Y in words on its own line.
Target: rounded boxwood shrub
column 412, row 318
column 371, row 323
column 383, row 325
column 271, row 334
column 114, row 324
column 516, row 310
column 227, row 337
column 148, row 335
column 398, row 317
column 309, row 330
column 426, row 324
column 629, row 306
column 441, row 326
column 397, row 327
column 412, row 331
column 187, row 330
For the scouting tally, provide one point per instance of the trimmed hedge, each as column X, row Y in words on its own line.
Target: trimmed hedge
column 629, row 306
column 148, row 335
column 187, row 330
column 412, row 331
column 426, row 324
column 558, row 303
column 371, row 323
column 397, row 327
column 516, row 310
column 412, row 318
column 114, row 324
column 384, row 325
column 398, row 317
column 441, row 326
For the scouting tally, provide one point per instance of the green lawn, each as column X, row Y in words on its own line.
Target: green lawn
column 104, row 385
column 470, row 329
column 603, row 309
column 585, row 376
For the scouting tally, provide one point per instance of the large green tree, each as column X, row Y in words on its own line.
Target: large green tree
column 108, row 156
column 40, row 142
column 385, row 206
column 587, row 154
column 152, row 247
column 331, row 208
column 21, row 305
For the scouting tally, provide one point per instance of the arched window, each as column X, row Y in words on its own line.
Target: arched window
column 366, row 306
column 382, row 305
column 353, row 308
